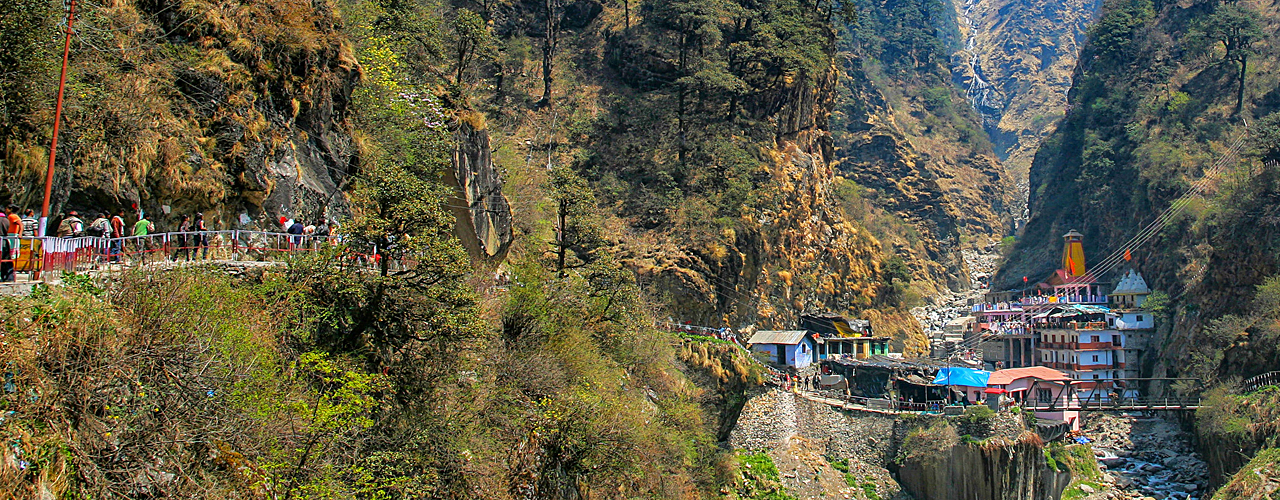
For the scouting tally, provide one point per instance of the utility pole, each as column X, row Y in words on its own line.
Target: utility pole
column 57, row 119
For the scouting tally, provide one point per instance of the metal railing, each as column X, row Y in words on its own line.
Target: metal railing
column 881, row 404
column 1260, row 381
column 35, row 255
column 1118, row 404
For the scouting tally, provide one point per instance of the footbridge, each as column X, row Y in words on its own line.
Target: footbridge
column 33, row 259
column 1170, row 403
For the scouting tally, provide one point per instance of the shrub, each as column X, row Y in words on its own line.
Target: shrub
column 980, row 414
column 928, row 444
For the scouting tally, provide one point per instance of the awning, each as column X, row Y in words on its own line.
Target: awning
column 994, row 390
column 962, row 376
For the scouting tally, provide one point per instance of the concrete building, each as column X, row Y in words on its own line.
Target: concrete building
column 837, row 335
column 1041, row 386
column 1130, row 317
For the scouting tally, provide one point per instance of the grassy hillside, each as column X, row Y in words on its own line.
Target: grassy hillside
column 189, row 384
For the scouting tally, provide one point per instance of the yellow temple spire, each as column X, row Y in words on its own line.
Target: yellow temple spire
column 1073, row 253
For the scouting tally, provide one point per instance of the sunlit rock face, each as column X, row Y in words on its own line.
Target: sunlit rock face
column 1015, row 64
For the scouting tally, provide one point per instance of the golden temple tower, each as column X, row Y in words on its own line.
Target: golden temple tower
column 1073, row 253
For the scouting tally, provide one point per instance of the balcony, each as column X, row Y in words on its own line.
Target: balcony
column 1067, row 365
column 1063, row 299
column 1081, row 346
column 997, row 307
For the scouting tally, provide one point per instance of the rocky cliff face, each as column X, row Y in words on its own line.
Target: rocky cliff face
column 1010, row 471
column 237, row 112
column 240, row 111
column 803, row 255
column 925, row 453
column 904, row 134
column 482, row 212
column 1015, row 65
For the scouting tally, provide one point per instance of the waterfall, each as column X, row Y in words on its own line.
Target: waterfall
column 981, row 94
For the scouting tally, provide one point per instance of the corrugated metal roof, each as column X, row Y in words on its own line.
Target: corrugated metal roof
column 788, row 337
column 882, row 361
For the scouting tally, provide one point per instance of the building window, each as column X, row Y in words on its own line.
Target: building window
column 1095, row 376
column 1139, row 317
column 1095, row 358
column 1095, row 338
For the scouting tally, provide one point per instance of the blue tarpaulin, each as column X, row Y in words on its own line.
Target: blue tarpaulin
column 962, row 376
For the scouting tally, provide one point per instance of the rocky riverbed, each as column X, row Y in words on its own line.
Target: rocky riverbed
column 1145, row 457
column 933, row 317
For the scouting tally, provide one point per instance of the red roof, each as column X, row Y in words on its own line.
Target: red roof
column 1008, row 375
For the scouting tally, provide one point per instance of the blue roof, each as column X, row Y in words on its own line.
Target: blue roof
column 962, row 376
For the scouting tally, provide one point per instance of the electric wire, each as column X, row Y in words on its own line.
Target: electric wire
column 1150, row 230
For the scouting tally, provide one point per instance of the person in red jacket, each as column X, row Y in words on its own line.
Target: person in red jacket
column 117, row 231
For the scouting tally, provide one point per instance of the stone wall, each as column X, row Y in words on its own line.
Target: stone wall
column 997, row 470
column 1000, row 459
column 861, row 435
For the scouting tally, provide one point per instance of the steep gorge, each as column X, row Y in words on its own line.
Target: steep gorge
column 1166, row 153
column 1015, row 65
column 915, row 151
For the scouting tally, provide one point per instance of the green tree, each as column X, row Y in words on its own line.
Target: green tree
column 1266, row 134
column 552, row 11
column 471, row 38
column 700, row 69
column 26, row 59
column 896, row 271
column 1237, row 28
column 577, row 225
column 396, row 291
column 1113, row 34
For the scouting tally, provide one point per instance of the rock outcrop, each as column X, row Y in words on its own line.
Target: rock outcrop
column 240, row 113
column 482, row 212
column 1007, row 463
column 906, row 136
column 997, row 471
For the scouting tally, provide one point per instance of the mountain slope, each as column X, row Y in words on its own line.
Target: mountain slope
column 904, row 134
column 1015, row 64
column 1156, row 120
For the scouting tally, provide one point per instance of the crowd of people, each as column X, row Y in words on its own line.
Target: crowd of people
column 190, row 240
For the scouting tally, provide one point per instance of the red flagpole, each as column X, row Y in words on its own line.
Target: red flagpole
column 57, row 119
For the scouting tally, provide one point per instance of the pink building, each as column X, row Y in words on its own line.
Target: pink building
column 1046, row 389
